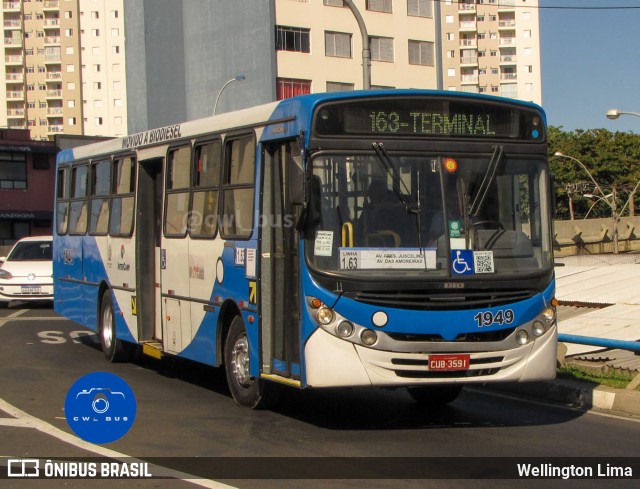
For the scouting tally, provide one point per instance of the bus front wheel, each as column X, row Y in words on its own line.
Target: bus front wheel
column 247, row 391
column 436, row 395
column 112, row 347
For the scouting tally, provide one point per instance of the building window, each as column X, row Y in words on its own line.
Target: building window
column 289, row 87
column 379, row 6
column 420, row 8
column 334, row 3
column 421, row 53
column 451, row 36
column 115, row 32
column 98, row 121
column 95, row 32
column 71, row 121
column 340, row 87
column 381, row 49
column 294, row 39
column 451, row 72
column 337, row 44
column 13, row 170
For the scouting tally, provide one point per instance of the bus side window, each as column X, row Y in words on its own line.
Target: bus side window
column 78, row 206
column 237, row 207
column 62, row 205
column 100, row 188
column 204, row 204
column 122, row 201
column 178, row 184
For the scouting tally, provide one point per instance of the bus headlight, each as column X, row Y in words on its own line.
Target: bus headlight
column 549, row 314
column 324, row 315
column 344, row 329
column 522, row 337
column 538, row 328
column 368, row 337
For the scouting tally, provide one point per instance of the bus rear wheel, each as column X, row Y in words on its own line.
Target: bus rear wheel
column 247, row 391
column 114, row 350
column 436, row 395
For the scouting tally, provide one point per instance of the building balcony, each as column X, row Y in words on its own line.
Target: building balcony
column 504, row 5
column 13, row 41
column 54, row 94
column 470, row 88
column 467, row 7
column 12, row 24
column 52, row 40
column 13, row 113
column 52, row 58
column 15, row 77
column 507, row 41
column 51, row 23
column 51, row 5
column 467, row 26
column 13, row 60
column 469, row 79
column 508, row 76
column 468, row 42
column 15, row 95
column 55, row 129
column 469, row 60
column 11, row 6
column 507, row 24
column 506, row 59
column 53, row 76
column 55, row 111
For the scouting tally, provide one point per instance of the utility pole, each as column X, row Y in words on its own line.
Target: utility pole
column 366, row 52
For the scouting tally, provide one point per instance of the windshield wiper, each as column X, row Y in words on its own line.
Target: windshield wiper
column 488, row 179
column 411, row 205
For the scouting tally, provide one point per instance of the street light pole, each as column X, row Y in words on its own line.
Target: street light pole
column 614, row 214
column 366, row 52
column 615, row 113
column 235, row 78
column 613, row 207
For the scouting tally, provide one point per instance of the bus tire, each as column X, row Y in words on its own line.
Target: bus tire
column 112, row 347
column 246, row 391
column 436, row 395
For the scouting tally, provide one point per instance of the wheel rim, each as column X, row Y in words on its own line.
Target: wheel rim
column 240, row 361
column 107, row 326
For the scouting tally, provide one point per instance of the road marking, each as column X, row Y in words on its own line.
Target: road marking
column 25, row 420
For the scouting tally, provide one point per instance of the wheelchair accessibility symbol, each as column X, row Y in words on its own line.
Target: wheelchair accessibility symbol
column 462, row 262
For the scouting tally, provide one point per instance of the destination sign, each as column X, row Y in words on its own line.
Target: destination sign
column 438, row 116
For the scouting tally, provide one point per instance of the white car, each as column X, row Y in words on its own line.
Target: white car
column 26, row 273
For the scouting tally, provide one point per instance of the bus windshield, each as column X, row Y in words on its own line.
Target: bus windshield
column 389, row 214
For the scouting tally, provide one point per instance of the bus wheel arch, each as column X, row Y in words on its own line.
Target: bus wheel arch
column 113, row 348
column 247, row 391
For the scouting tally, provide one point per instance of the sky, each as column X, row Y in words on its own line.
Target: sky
column 590, row 63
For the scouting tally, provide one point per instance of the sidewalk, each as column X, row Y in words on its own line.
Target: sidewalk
column 599, row 298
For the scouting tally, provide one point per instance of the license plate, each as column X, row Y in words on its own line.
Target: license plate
column 31, row 290
column 448, row 362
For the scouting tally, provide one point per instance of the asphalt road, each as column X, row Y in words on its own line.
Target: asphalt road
column 185, row 410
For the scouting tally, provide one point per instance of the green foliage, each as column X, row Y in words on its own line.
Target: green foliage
column 613, row 159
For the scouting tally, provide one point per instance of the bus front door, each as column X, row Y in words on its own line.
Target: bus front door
column 148, row 232
column 279, row 294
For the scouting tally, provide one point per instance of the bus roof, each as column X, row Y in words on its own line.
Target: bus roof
column 301, row 106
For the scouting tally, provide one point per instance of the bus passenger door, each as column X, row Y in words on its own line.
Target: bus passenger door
column 279, row 284
column 148, row 232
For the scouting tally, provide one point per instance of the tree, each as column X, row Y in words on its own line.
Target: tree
column 613, row 159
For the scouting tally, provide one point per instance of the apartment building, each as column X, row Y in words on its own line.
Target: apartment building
column 60, row 67
column 492, row 47
column 319, row 45
column 66, row 70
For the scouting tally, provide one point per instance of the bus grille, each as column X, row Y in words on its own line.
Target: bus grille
column 474, row 337
column 440, row 300
column 427, row 374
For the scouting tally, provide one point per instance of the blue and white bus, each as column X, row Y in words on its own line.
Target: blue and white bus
column 378, row 238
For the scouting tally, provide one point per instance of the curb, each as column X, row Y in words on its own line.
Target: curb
column 580, row 395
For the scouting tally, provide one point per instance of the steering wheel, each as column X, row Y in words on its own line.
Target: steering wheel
column 489, row 221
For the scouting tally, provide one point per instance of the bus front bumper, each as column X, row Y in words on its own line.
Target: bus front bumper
column 332, row 362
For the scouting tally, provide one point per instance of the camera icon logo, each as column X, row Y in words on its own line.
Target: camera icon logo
column 100, row 403
column 100, row 407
